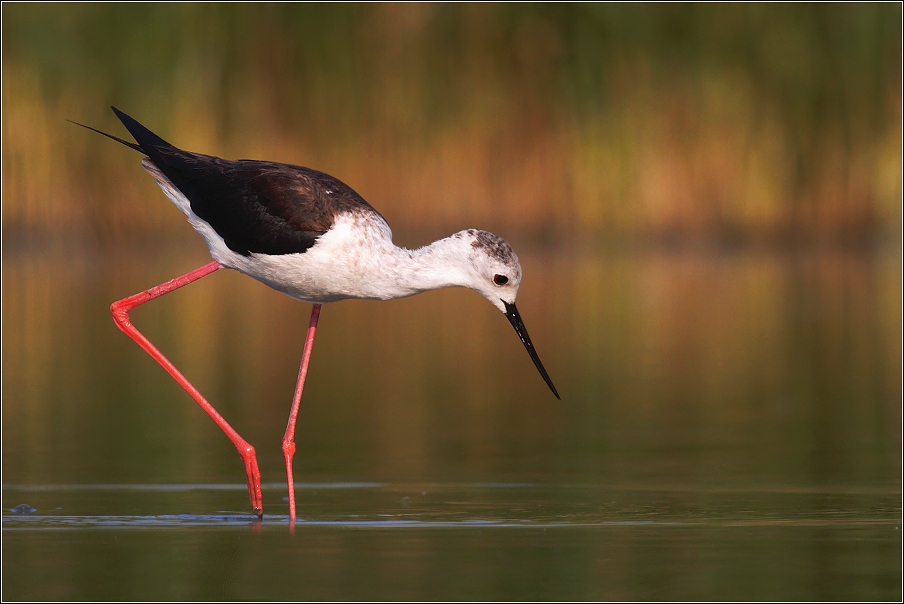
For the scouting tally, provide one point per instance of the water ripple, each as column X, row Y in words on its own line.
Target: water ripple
column 17, row 523
column 227, row 520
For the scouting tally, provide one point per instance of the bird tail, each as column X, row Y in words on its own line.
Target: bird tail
column 148, row 143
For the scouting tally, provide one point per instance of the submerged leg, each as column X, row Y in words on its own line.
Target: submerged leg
column 288, row 443
column 120, row 310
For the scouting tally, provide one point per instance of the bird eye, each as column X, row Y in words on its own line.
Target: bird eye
column 500, row 279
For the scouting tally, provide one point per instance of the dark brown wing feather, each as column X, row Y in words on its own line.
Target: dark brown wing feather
column 259, row 206
column 255, row 206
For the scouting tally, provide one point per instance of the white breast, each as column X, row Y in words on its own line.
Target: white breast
column 348, row 261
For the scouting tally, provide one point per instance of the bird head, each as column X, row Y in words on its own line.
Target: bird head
column 494, row 272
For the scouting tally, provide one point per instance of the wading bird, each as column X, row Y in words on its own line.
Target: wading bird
column 310, row 236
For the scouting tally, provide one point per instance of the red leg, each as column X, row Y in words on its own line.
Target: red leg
column 288, row 443
column 120, row 312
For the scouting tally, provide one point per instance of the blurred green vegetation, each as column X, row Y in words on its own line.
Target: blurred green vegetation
column 726, row 123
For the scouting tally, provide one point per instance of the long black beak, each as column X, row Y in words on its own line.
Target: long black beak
column 515, row 319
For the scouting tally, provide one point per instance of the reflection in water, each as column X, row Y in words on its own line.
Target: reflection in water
column 686, row 367
column 720, row 412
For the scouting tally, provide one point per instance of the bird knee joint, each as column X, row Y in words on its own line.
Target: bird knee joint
column 120, row 312
column 288, row 447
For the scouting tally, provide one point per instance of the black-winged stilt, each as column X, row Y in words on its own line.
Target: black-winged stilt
column 310, row 236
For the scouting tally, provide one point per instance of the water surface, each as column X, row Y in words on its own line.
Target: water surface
column 729, row 429
column 379, row 541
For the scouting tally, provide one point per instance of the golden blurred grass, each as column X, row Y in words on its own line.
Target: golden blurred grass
column 730, row 124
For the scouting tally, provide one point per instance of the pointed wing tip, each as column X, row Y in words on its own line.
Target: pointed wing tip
column 123, row 116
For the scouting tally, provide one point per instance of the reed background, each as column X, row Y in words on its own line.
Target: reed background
column 725, row 124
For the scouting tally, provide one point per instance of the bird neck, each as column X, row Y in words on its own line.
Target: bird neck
column 443, row 263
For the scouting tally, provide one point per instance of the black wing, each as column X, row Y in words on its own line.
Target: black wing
column 255, row 206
